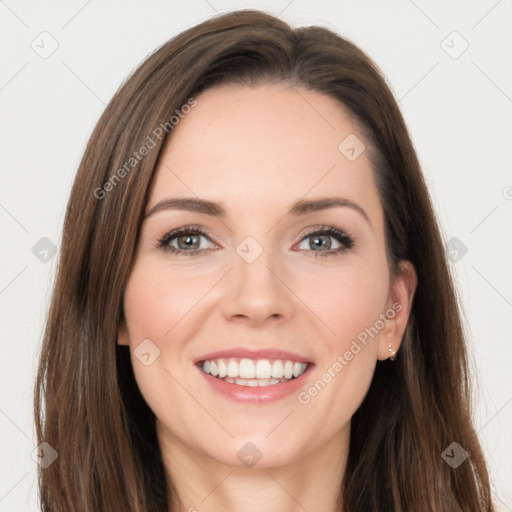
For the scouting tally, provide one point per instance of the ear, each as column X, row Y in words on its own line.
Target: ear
column 122, row 333
column 399, row 304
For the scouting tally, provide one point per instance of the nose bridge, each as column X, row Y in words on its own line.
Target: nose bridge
column 256, row 289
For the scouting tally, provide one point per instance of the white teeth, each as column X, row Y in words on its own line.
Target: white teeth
column 277, row 369
column 223, row 369
column 288, row 369
column 263, row 369
column 254, row 382
column 248, row 372
column 297, row 369
column 232, row 369
column 246, row 369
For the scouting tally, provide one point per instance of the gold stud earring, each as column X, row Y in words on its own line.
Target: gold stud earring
column 393, row 352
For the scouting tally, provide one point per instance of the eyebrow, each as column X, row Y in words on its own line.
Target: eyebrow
column 217, row 209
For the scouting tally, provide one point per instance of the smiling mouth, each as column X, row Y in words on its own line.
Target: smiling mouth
column 253, row 373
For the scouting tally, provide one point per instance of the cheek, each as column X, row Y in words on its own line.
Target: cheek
column 339, row 389
column 351, row 307
column 350, row 310
column 156, row 304
column 348, row 302
column 157, row 299
column 162, row 305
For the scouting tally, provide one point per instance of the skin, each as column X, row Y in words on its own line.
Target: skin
column 258, row 150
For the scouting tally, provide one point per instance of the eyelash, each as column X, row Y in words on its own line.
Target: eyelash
column 343, row 237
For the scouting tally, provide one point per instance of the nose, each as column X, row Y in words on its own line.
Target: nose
column 258, row 290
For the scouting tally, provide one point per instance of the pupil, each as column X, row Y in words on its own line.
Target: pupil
column 318, row 240
column 188, row 239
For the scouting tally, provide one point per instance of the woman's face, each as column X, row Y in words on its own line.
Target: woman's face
column 262, row 279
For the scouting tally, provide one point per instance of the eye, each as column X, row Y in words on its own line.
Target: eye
column 188, row 240
column 321, row 239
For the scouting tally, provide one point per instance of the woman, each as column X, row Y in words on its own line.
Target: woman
column 258, row 371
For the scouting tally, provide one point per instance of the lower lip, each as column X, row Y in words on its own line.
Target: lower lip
column 256, row 394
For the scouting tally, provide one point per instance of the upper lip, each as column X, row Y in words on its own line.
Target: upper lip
column 252, row 353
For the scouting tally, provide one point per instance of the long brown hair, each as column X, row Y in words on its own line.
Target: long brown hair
column 87, row 404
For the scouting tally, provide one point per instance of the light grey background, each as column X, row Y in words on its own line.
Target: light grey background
column 458, row 109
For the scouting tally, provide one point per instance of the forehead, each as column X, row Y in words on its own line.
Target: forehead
column 253, row 147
